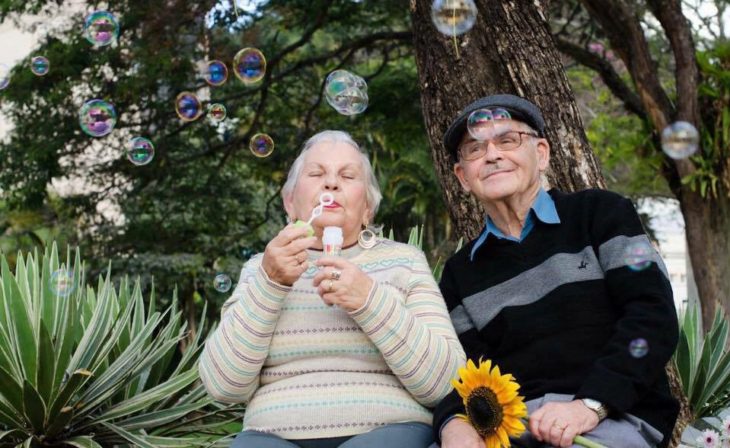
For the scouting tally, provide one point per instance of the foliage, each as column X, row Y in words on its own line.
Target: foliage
column 703, row 362
column 92, row 367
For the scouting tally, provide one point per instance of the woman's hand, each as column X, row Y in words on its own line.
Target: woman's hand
column 459, row 434
column 341, row 283
column 285, row 257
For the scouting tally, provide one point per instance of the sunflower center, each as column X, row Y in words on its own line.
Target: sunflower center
column 484, row 410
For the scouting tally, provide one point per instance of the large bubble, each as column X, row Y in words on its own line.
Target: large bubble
column 346, row 92
column 40, row 65
column 249, row 65
column 453, row 17
column 215, row 73
column 639, row 348
column 97, row 118
column 101, row 28
column 188, row 106
column 261, row 145
column 140, row 151
column 680, row 140
column 4, row 76
column 217, row 112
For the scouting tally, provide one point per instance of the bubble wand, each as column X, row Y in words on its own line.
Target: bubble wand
column 325, row 199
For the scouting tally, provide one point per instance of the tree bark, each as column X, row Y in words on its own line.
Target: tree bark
column 509, row 50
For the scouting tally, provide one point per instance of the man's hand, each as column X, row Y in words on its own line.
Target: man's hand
column 459, row 434
column 559, row 423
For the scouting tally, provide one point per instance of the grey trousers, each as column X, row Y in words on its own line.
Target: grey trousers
column 396, row 435
column 625, row 432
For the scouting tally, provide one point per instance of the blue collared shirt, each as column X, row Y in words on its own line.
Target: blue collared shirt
column 543, row 209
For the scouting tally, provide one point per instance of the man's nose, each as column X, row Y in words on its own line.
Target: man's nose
column 492, row 153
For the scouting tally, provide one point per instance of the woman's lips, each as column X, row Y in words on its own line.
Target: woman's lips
column 332, row 205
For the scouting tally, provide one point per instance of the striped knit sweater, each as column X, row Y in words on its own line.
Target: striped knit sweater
column 311, row 371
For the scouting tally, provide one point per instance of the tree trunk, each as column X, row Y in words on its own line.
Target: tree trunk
column 509, row 50
column 707, row 224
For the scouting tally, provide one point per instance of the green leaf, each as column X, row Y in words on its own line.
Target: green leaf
column 82, row 442
column 33, row 407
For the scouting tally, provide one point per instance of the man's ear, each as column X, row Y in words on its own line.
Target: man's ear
column 543, row 154
column 459, row 171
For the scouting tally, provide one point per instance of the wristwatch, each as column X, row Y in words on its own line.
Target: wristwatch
column 597, row 407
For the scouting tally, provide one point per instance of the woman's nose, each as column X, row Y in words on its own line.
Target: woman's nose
column 331, row 183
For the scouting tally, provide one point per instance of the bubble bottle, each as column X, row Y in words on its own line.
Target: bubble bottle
column 332, row 241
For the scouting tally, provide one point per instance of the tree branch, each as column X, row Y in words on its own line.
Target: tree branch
column 613, row 81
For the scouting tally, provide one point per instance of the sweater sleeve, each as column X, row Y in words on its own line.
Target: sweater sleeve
column 453, row 404
column 415, row 335
column 231, row 362
column 641, row 294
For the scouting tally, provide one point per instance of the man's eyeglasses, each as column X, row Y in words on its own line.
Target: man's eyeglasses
column 507, row 141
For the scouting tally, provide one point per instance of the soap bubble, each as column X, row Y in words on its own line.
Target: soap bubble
column 61, row 282
column 97, row 118
column 188, row 106
column 215, row 73
column 638, row 256
column 101, row 28
column 639, row 348
column 249, row 65
column 140, row 151
column 261, row 145
column 680, row 140
column 247, row 252
column 217, row 112
column 222, row 283
column 453, row 17
column 40, row 65
column 346, row 92
column 480, row 120
column 4, row 76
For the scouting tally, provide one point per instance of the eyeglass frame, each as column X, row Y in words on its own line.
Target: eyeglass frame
column 485, row 143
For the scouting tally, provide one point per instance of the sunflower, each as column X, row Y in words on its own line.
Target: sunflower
column 492, row 405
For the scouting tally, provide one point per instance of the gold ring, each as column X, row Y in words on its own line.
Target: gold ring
column 336, row 274
column 562, row 428
column 329, row 286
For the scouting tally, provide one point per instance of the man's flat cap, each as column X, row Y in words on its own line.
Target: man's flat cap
column 519, row 108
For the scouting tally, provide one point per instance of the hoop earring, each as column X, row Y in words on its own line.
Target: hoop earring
column 366, row 239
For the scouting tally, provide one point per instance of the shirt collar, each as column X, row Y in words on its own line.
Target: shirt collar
column 543, row 209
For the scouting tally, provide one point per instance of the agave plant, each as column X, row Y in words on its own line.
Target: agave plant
column 703, row 362
column 89, row 367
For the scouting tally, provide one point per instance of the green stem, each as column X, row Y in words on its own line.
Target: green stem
column 582, row 441
column 453, row 33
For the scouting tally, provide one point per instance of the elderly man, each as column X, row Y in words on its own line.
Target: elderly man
column 562, row 290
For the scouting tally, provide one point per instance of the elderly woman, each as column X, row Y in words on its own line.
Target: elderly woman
column 362, row 373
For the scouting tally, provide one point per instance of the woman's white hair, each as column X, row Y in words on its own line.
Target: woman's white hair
column 373, row 195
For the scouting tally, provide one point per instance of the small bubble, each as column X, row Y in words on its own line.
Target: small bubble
column 222, row 283
column 217, row 112
column 61, row 283
column 638, row 256
column 4, row 76
column 140, row 151
column 188, row 106
column 680, row 140
column 261, row 145
column 101, row 28
column 40, row 65
column 453, row 17
column 249, row 65
column 639, row 348
column 216, row 73
column 97, row 118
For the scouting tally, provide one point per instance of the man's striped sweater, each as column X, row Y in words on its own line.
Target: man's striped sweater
column 560, row 309
column 310, row 371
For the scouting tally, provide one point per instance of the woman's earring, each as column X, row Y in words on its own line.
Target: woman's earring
column 366, row 238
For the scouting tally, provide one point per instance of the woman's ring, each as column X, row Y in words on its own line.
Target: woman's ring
column 329, row 285
column 336, row 274
column 562, row 428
